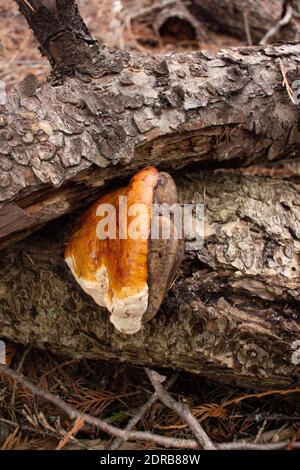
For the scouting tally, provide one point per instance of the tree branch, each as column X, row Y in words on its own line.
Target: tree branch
column 61, row 33
column 96, row 422
column 134, row 435
column 181, row 409
column 229, row 16
column 70, row 17
column 142, row 411
column 282, row 22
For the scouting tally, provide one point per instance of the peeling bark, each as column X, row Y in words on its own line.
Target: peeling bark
column 232, row 315
column 59, row 141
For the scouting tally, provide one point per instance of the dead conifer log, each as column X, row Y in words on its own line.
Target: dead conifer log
column 103, row 114
column 232, row 314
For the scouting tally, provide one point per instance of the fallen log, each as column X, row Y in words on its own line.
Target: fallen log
column 103, row 114
column 229, row 16
column 210, row 22
column 232, row 314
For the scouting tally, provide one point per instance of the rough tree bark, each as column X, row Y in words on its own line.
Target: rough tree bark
column 105, row 113
column 233, row 313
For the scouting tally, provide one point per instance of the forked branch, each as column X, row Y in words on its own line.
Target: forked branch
column 125, row 435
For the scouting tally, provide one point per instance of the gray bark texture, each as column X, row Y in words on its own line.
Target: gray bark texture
column 60, row 142
column 232, row 314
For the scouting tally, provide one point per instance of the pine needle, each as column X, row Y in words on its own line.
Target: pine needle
column 79, row 423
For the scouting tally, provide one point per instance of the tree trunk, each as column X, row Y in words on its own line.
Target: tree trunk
column 60, row 142
column 232, row 314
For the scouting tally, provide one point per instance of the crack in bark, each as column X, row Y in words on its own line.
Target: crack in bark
column 174, row 111
column 218, row 321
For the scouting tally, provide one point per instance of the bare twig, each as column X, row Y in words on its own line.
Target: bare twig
column 247, row 29
column 285, row 82
column 19, row 369
column 242, row 445
column 79, row 423
column 126, row 435
column 181, row 409
column 29, row 5
column 96, row 422
column 260, row 432
column 274, row 30
column 141, row 412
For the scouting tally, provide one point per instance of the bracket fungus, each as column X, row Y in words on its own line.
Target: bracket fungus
column 114, row 256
